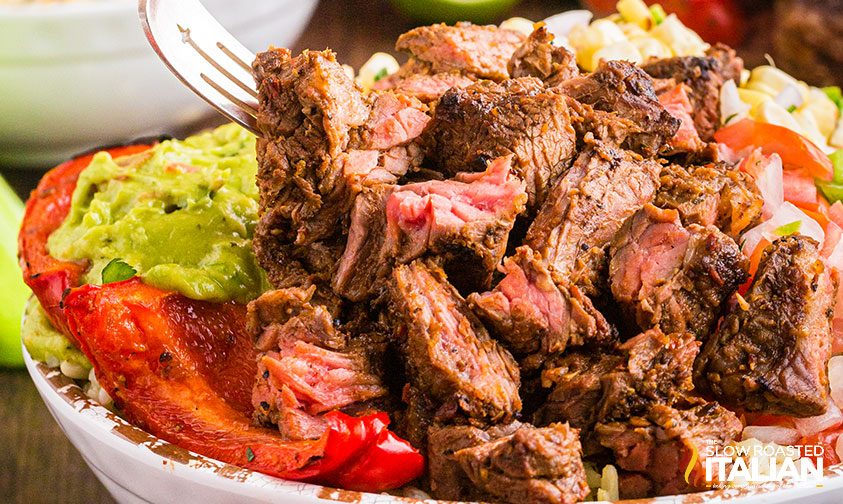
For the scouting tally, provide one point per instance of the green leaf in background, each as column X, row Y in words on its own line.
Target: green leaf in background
column 14, row 293
column 451, row 11
column 788, row 229
column 116, row 271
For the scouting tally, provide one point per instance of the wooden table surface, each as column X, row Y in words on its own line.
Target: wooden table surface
column 37, row 463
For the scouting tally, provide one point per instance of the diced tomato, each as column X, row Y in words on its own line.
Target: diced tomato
column 828, row 441
column 766, row 419
column 833, row 233
column 799, row 190
column 835, row 213
column 797, row 152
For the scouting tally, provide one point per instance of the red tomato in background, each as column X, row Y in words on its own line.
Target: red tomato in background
column 714, row 20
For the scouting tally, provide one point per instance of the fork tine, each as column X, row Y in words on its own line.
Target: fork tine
column 203, row 55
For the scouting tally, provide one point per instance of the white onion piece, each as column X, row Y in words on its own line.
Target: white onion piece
column 783, row 436
column 834, row 257
column 786, row 214
column 838, row 447
column 835, row 379
column 732, row 108
column 812, row 425
column 560, row 25
column 770, row 182
column 789, row 97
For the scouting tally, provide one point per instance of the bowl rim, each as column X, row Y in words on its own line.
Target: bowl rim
column 69, row 401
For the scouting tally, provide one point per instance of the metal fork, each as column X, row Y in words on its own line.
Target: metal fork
column 203, row 55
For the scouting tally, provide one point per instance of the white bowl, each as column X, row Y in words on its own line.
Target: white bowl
column 79, row 75
column 137, row 467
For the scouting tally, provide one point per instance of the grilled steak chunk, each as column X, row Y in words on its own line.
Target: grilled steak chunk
column 530, row 465
column 771, row 355
column 608, row 127
column 674, row 99
column 308, row 107
column 663, row 274
column 588, row 206
column 659, row 443
column 307, row 367
column 623, row 88
column 530, row 314
column 538, row 57
column 449, row 355
column 416, row 79
column 465, row 222
column 528, row 121
column 704, row 77
column 577, row 389
column 479, row 51
column 713, row 194
column 651, row 368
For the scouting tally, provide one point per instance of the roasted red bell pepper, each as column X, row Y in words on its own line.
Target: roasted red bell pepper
column 48, row 205
column 165, row 371
column 183, row 369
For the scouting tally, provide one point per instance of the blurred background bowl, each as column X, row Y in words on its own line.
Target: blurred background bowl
column 81, row 74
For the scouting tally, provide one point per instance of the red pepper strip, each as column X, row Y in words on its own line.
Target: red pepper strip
column 143, row 361
column 797, row 152
column 155, row 352
column 46, row 209
column 362, row 454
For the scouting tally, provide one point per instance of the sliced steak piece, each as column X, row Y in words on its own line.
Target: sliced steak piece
column 385, row 148
column 623, row 88
column 714, row 194
column 530, row 314
column 365, row 260
column 538, row 57
column 608, row 127
column 659, row 443
column 448, row 480
column 587, row 387
column 478, row 51
column 449, row 355
column 770, row 355
column 663, row 274
column 528, row 121
column 395, row 119
column 464, row 222
column 588, row 206
column 704, row 77
column 307, row 109
column 530, row 465
column 577, row 389
column 687, row 140
column 416, row 79
column 657, row 369
column 307, row 367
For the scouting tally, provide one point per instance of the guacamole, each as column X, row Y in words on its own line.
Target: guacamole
column 181, row 215
column 46, row 344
